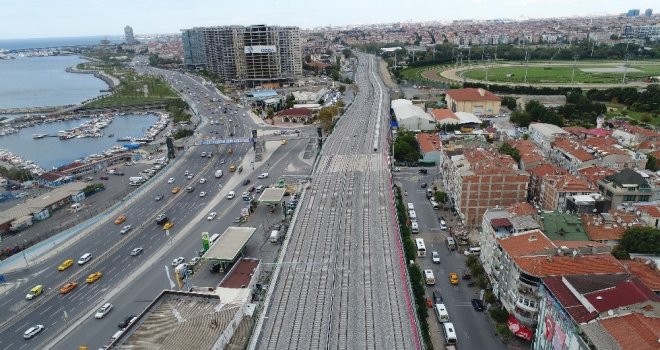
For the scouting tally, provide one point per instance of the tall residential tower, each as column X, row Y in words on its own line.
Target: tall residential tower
column 128, row 35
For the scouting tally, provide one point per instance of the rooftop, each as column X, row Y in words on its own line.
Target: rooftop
column 563, row 226
column 472, row 94
column 633, row 331
column 429, row 142
column 241, row 274
column 37, row 204
column 405, row 109
column 609, row 226
column 627, row 176
column 548, row 131
column 230, row 243
column 533, row 242
column 295, row 112
column 646, row 272
column 544, row 266
column 444, row 116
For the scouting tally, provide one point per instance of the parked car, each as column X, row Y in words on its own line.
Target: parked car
column 437, row 297
column 477, row 305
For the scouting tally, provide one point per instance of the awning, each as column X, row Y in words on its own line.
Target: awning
column 519, row 330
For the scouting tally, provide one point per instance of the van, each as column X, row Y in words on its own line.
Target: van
column 443, row 224
column 473, row 251
column 414, row 227
column 35, row 291
column 75, row 206
column 429, row 193
column 449, row 332
column 260, row 188
column 412, row 214
column 274, row 236
column 441, row 313
column 411, row 206
column 116, row 335
column 451, row 244
column 429, row 278
column 435, row 205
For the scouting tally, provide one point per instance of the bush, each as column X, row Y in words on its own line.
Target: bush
column 93, row 188
column 620, row 253
column 490, row 298
column 504, row 331
column 499, row 315
column 181, row 133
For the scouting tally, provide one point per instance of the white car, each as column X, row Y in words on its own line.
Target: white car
column 136, row 251
column 436, row 257
column 263, row 175
column 202, row 180
column 212, row 215
column 125, row 229
column 178, row 261
column 202, row 194
column 170, row 180
column 231, row 195
column 84, row 258
column 32, row 331
column 194, row 261
column 190, row 176
column 104, row 310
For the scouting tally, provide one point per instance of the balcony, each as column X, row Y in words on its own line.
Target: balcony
column 527, row 318
column 527, row 304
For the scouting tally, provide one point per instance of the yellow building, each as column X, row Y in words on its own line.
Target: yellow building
column 475, row 101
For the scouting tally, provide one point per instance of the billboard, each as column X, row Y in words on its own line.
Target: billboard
column 261, row 49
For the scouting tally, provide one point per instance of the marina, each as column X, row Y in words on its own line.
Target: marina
column 54, row 142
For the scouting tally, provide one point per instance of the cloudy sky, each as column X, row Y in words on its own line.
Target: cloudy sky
column 62, row 18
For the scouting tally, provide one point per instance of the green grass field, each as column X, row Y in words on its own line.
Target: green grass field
column 413, row 74
column 560, row 74
column 132, row 89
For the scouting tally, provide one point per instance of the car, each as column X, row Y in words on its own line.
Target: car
column 104, row 177
column 237, row 220
column 93, row 277
column 158, row 197
column 202, row 194
column 84, row 258
column 65, row 264
column 186, row 173
column 178, row 261
column 194, row 261
column 104, row 310
column 32, row 331
column 222, row 161
column 136, row 251
column 424, row 185
column 466, row 276
column 127, row 321
column 246, row 182
column 161, row 219
column 68, row 287
column 211, row 216
column 190, row 189
column 231, row 195
column 251, row 189
column 477, row 305
column 453, row 278
column 170, row 180
column 120, row 219
column 436, row 257
column 125, row 229
column 34, row 292
column 168, row 225
column 284, row 141
column 203, row 154
column 423, row 171
column 215, row 268
column 437, row 297
column 176, row 189
column 202, row 180
column 263, row 175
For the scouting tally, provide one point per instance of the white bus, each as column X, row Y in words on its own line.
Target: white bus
column 213, row 238
column 421, row 248
column 449, row 333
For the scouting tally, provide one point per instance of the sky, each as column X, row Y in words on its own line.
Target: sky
column 64, row 18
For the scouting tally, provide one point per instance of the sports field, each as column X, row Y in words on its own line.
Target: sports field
column 610, row 73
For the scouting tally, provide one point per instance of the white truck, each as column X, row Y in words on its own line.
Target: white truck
column 136, row 180
column 218, row 174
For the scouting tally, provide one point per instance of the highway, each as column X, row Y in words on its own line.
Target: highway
column 111, row 250
column 341, row 282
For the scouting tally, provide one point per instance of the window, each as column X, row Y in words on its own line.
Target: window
column 630, row 198
column 644, row 198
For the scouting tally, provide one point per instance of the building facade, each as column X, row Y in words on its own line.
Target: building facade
column 476, row 101
column 258, row 55
column 129, row 38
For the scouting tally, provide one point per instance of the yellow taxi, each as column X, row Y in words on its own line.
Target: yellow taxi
column 176, row 189
column 93, row 277
column 453, row 278
column 65, row 264
column 284, row 142
column 68, row 287
column 35, row 291
column 168, row 225
column 120, row 219
column 232, row 168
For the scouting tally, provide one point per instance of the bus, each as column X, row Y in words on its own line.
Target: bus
column 214, row 238
column 421, row 248
column 449, row 333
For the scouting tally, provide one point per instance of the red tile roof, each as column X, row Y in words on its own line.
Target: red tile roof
column 633, row 331
column 522, row 208
column 442, row 114
column 429, row 142
column 573, row 148
column 645, row 272
column 652, row 210
column 295, row 112
column 595, row 173
column 500, row 222
column 567, row 299
column 628, row 292
column 542, row 266
column 598, row 230
column 546, row 169
column 569, row 183
column 528, row 243
column 471, row 94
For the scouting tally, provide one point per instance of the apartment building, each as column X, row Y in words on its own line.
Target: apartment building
column 478, row 179
column 628, row 186
column 555, row 189
column 257, row 55
column 544, row 135
column 475, row 101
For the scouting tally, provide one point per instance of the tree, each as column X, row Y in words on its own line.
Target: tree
column 440, row 197
column 290, row 101
column 406, row 148
column 499, row 315
column 652, row 163
column 509, row 102
column 620, row 253
column 270, row 112
column 321, row 101
column 342, row 88
column 507, row 149
column 643, row 240
column 347, row 53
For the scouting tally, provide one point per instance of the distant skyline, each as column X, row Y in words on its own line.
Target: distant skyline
column 66, row 18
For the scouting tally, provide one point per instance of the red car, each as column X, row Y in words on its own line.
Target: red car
column 251, row 189
column 104, row 178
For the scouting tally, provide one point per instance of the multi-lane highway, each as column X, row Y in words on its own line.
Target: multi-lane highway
column 66, row 318
column 341, row 280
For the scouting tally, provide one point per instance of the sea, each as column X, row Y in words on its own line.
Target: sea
column 43, row 81
column 50, row 152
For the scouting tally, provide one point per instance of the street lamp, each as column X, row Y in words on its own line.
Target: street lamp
column 575, row 57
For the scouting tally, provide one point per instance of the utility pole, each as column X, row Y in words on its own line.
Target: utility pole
column 526, row 65
column 575, row 57
column 469, row 51
column 487, row 64
column 625, row 68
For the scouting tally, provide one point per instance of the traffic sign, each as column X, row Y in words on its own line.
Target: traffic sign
column 225, row 141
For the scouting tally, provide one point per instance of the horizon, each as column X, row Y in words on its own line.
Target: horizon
column 53, row 20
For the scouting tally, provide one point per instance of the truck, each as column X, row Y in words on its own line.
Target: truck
column 136, row 180
column 218, row 174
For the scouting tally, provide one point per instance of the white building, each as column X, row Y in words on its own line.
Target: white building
column 544, row 135
column 411, row 117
